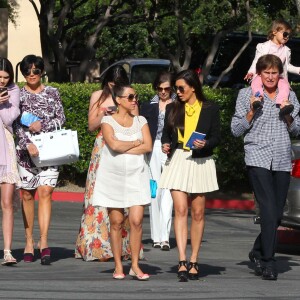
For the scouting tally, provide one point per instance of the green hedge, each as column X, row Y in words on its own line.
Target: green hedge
column 229, row 155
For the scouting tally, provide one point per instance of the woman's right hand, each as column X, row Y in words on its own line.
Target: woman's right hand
column 4, row 98
column 165, row 148
column 33, row 150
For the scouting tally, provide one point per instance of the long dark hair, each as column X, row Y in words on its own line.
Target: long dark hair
column 176, row 116
column 6, row 66
column 117, row 75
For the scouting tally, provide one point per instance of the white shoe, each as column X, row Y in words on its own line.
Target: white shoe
column 165, row 246
column 156, row 245
column 8, row 259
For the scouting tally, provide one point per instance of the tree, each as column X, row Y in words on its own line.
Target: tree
column 12, row 7
column 65, row 26
column 188, row 32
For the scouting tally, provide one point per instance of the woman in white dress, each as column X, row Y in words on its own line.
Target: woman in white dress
column 123, row 180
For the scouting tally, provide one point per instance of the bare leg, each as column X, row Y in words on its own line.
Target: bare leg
column 44, row 213
column 180, row 200
column 136, row 214
column 28, row 218
column 7, row 192
column 116, row 218
column 197, row 226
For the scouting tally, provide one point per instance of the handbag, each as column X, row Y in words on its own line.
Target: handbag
column 153, row 188
column 153, row 182
column 56, row 148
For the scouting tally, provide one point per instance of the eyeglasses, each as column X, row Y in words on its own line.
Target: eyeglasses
column 34, row 72
column 131, row 97
column 286, row 34
column 180, row 89
column 166, row 89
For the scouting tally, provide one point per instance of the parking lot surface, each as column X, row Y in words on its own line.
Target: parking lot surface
column 225, row 270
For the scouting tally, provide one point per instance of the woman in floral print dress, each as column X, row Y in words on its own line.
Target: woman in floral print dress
column 93, row 241
column 44, row 104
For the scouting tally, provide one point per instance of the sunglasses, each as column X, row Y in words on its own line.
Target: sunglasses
column 286, row 34
column 166, row 89
column 33, row 71
column 180, row 89
column 131, row 97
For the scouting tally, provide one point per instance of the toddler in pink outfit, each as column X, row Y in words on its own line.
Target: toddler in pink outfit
column 277, row 38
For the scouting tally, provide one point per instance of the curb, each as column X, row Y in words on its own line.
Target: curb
column 66, row 197
column 234, row 204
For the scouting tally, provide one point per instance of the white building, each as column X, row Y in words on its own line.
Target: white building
column 24, row 38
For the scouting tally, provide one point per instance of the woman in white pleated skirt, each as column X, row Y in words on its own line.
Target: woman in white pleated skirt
column 189, row 173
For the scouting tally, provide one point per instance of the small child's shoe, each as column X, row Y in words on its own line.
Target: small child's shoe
column 286, row 110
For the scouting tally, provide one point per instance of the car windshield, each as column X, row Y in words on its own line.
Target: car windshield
column 146, row 73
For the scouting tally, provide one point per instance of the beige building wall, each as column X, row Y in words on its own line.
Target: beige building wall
column 24, row 38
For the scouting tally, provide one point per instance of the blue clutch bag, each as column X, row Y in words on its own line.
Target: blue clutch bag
column 153, row 188
column 28, row 118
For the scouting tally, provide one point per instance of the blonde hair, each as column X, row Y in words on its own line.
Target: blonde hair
column 278, row 25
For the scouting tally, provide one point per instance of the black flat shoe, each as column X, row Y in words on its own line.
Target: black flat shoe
column 257, row 104
column 193, row 276
column 286, row 110
column 257, row 264
column 182, row 275
column 269, row 273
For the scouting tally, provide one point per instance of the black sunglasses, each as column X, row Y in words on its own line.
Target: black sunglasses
column 286, row 34
column 180, row 89
column 166, row 89
column 131, row 97
column 34, row 72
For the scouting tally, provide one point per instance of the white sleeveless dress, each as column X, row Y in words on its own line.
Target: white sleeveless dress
column 122, row 180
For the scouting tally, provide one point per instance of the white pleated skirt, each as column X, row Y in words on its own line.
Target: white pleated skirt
column 190, row 175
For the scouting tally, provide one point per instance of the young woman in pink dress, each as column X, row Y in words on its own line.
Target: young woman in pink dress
column 9, row 177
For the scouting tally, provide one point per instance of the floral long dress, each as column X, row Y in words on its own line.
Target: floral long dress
column 93, row 240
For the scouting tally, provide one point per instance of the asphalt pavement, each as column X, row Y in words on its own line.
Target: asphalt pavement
column 225, row 271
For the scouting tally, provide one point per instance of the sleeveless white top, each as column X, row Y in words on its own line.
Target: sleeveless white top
column 122, row 180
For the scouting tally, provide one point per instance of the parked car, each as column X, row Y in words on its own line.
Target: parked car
column 141, row 70
column 228, row 49
column 291, row 216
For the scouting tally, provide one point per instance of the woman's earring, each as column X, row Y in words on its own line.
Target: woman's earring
column 117, row 109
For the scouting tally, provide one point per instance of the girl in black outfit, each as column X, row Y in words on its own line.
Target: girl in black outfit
column 189, row 173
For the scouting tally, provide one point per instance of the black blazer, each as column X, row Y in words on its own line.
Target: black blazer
column 150, row 110
column 208, row 123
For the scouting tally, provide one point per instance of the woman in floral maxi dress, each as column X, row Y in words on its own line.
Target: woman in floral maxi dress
column 93, row 241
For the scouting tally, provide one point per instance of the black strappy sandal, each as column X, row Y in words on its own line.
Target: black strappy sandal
column 193, row 276
column 182, row 275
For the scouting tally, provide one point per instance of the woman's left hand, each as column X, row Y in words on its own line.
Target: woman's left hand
column 199, row 144
column 35, row 126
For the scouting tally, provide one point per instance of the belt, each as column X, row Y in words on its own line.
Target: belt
column 180, row 146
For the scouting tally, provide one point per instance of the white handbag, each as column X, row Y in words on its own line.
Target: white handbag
column 56, row 148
